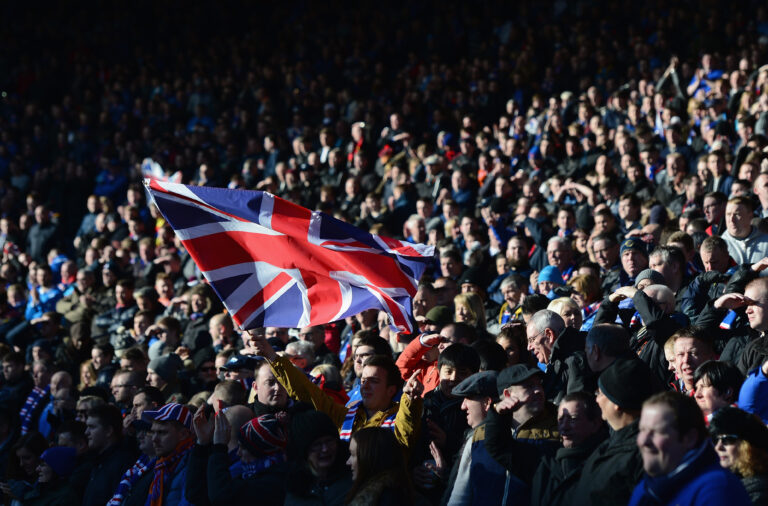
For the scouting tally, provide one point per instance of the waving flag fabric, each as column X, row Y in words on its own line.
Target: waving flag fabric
column 274, row 263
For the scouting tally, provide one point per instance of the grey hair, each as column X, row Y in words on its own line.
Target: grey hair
column 302, row 348
column 559, row 241
column 547, row 319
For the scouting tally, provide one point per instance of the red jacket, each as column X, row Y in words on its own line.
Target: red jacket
column 410, row 361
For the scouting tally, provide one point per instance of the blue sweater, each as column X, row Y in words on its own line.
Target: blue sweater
column 698, row 480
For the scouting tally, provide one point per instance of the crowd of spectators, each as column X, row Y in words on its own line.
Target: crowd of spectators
column 593, row 176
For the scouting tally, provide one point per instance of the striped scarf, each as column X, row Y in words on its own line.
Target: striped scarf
column 164, row 469
column 27, row 413
column 130, row 477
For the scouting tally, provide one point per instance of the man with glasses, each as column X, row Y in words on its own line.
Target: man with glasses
column 368, row 345
column 123, row 386
column 560, row 352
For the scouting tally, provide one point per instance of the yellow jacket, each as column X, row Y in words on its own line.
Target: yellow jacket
column 407, row 420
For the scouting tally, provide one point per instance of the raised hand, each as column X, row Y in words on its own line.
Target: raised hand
column 508, row 405
column 413, row 388
column 203, row 427
column 731, row 301
column 222, row 429
column 430, row 340
column 257, row 344
column 761, row 265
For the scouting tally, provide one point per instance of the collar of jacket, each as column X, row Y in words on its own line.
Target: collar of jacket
column 663, row 488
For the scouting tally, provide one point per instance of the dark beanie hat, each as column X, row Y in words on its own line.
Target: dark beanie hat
column 308, row 427
column 626, row 383
column 166, row 366
column 263, row 435
column 61, row 459
column 202, row 356
column 736, row 422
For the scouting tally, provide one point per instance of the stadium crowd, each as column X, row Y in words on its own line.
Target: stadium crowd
column 593, row 176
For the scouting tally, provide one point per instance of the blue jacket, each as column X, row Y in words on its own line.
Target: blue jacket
column 753, row 397
column 698, row 480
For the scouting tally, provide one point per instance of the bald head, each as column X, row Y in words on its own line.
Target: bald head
column 60, row 380
column 662, row 296
column 237, row 416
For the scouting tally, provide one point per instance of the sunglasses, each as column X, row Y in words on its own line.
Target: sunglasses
column 727, row 439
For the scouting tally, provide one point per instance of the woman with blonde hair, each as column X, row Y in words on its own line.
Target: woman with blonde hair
column 87, row 375
column 469, row 309
column 741, row 442
column 568, row 310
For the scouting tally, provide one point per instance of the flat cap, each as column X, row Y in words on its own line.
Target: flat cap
column 514, row 375
column 481, row 384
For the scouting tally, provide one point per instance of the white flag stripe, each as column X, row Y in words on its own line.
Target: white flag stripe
column 265, row 211
column 264, row 307
column 185, row 234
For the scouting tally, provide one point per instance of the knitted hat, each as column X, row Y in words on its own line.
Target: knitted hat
column 655, row 277
column 439, row 315
column 552, row 274
column 202, row 356
column 635, row 244
column 171, row 412
column 306, row 428
column 61, row 459
column 626, row 383
column 166, row 366
column 263, row 435
column 739, row 423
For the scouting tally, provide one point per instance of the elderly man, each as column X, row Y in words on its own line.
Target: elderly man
column 680, row 465
column 561, row 350
column 560, row 255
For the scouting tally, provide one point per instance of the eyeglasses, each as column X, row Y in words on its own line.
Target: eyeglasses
column 125, row 385
column 531, row 340
column 727, row 439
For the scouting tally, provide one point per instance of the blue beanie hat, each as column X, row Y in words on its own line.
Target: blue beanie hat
column 61, row 459
column 552, row 274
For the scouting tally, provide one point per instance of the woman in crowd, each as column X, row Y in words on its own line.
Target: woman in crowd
column 741, row 442
column 378, row 470
column 316, row 471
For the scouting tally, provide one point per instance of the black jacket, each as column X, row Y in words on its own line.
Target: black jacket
column 648, row 341
column 108, row 468
column 209, row 480
column 611, row 472
column 556, row 474
column 568, row 370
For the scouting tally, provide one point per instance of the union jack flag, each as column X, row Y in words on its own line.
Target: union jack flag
column 274, row 263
